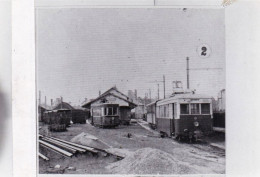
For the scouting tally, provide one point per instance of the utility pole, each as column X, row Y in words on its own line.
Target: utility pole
column 163, row 86
column 162, row 81
column 158, row 91
column 188, row 74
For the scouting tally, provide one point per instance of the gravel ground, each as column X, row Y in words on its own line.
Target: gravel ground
column 200, row 156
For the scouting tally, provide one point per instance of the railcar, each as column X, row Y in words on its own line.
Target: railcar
column 184, row 116
column 105, row 115
column 79, row 116
column 62, row 116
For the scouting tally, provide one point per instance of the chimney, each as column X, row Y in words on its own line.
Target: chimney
column 135, row 94
column 39, row 97
column 99, row 93
column 51, row 102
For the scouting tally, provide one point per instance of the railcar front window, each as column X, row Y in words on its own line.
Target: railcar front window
column 184, row 108
column 195, row 108
column 205, row 108
column 110, row 111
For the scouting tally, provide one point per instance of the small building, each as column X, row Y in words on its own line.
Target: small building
column 113, row 96
column 140, row 111
column 41, row 110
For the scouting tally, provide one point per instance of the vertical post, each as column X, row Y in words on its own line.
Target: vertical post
column 158, row 91
column 163, row 86
column 45, row 101
column 39, row 97
column 51, row 102
column 188, row 74
column 61, row 102
column 150, row 95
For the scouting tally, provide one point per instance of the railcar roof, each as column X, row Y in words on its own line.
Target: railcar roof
column 152, row 103
column 187, row 96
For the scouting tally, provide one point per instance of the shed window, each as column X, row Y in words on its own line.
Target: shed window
column 205, row 108
column 195, row 108
column 184, row 108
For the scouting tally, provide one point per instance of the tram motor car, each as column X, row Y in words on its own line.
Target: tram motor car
column 182, row 116
column 105, row 115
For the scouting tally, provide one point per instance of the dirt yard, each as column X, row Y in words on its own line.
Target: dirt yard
column 168, row 155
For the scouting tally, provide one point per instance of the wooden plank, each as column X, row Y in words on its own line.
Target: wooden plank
column 64, row 144
column 43, row 157
column 77, row 145
column 56, row 148
column 60, row 146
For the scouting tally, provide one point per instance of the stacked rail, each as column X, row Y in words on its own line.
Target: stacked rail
column 67, row 148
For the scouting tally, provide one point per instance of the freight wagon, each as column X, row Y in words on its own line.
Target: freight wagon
column 186, row 115
column 57, row 117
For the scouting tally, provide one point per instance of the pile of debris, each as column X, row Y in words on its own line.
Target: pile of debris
column 67, row 148
column 150, row 161
column 90, row 141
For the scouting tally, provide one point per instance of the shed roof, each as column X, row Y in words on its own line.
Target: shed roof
column 63, row 105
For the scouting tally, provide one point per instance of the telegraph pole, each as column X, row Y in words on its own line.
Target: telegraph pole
column 163, row 86
column 150, row 94
column 188, row 74
column 158, row 91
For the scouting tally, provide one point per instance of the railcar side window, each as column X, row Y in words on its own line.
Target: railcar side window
column 164, row 111
column 205, row 108
column 114, row 111
column 97, row 112
column 195, row 108
column 184, row 108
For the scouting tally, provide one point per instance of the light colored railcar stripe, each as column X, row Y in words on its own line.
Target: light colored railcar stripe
column 43, row 156
column 77, row 145
column 64, row 144
column 56, row 148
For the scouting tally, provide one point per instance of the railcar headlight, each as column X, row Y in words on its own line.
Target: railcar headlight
column 196, row 124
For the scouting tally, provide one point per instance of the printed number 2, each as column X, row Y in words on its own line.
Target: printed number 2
column 204, row 49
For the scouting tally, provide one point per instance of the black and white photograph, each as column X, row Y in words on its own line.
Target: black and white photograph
column 130, row 91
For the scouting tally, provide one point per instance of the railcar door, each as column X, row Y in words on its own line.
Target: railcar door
column 173, row 116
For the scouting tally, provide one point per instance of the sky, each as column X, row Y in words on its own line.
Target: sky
column 81, row 51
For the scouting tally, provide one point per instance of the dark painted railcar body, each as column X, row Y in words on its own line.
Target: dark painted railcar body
column 184, row 115
column 58, row 117
column 79, row 116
